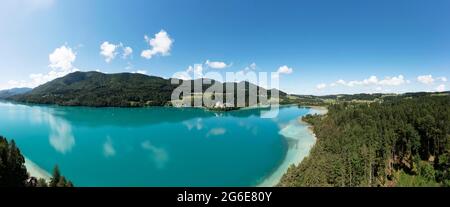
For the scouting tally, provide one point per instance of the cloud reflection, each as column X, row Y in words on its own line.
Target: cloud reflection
column 61, row 137
column 216, row 132
column 249, row 127
column 159, row 155
column 108, row 148
column 197, row 124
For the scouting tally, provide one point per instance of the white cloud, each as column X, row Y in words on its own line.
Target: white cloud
column 373, row 80
column 440, row 88
column 127, row 52
column 197, row 70
column 62, row 58
column 217, row 64
column 144, row 72
column 367, row 85
column 342, row 82
column 284, row 70
column 61, row 63
column 392, row 81
column 321, row 86
column 192, row 72
column 251, row 67
column 160, row 44
column 247, row 70
column 387, row 85
column 443, row 79
column 108, row 50
column 183, row 75
column 425, row 79
column 39, row 78
column 147, row 54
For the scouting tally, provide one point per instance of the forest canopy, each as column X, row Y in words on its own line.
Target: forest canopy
column 13, row 172
column 397, row 142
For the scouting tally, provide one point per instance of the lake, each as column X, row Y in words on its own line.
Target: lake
column 158, row 146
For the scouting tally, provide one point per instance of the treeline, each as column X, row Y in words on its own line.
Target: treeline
column 130, row 90
column 13, row 172
column 399, row 142
column 101, row 90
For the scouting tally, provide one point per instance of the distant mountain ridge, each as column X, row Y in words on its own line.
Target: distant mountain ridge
column 13, row 91
column 112, row 90
column 136, row 90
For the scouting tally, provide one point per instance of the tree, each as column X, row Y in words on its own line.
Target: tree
column 13, row 172
column 12, row 165
column 369, row 143
column 58, row 180
column 56, row 177
column 41, row 183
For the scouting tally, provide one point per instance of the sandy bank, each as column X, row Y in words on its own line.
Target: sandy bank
column 318, row 110
column 35, row 171
column 304, row 139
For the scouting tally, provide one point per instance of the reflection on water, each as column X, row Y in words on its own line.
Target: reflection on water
column 108, row 148
column 194, row 124
column 155, row 146
column 61, row 137
column 158, row 155
column 216, row 132
column 249, row 127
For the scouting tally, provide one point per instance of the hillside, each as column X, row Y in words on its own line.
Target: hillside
column 98, row 89
column 402, row 140
column 328, row 100
column 113, row 90
column 12, row 92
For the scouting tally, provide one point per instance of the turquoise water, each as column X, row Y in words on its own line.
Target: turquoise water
column 152, row 146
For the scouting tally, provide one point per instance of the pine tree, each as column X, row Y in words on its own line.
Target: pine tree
column 12, row 165
column 56, row 177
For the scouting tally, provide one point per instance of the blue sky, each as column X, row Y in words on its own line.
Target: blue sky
column 322, row 47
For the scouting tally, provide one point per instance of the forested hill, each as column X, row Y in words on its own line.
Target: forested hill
column 102, row 90
column 13, row 92
column 398, row 142
column 98, row 89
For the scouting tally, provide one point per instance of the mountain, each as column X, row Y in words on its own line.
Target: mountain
column 100, row 90
column 12, row 92
column 115, row 90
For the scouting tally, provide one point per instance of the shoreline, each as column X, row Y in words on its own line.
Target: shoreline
column 294, row 155
column 295, row 130
column 35, row 171
column 320, row 110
